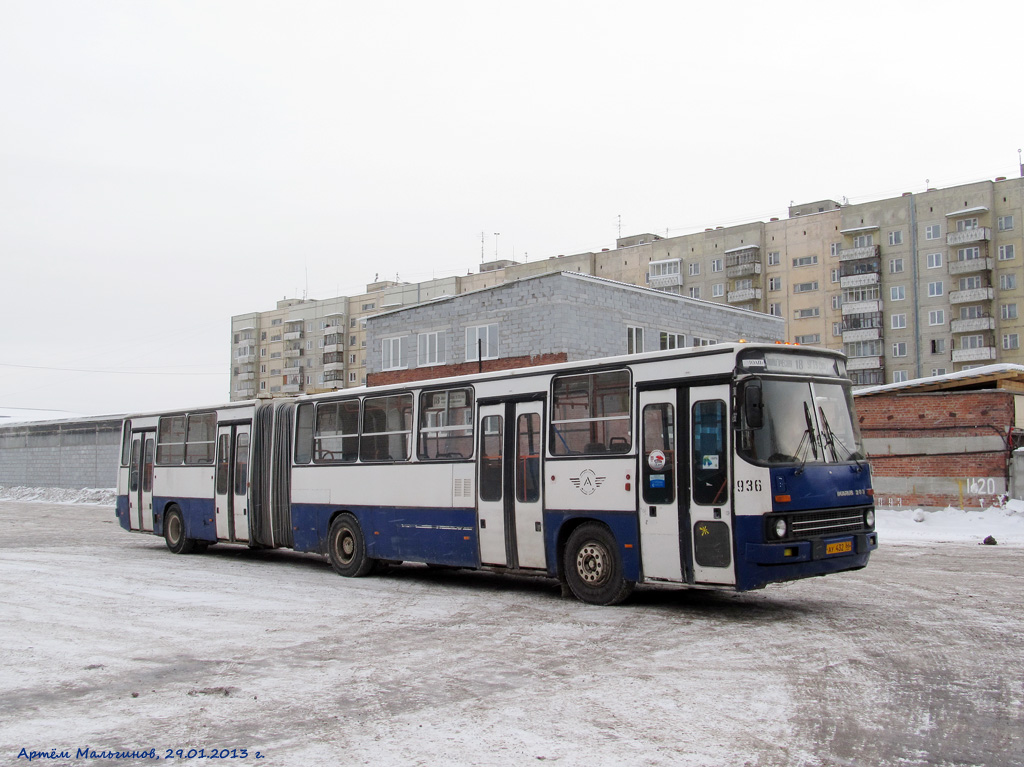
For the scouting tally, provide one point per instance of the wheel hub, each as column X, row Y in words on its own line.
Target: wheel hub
column 592, row 562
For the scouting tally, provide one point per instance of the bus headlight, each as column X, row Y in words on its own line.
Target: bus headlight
column 869, row 518
column 779, row 527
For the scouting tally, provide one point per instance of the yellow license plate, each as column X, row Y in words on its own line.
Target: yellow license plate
column 843, row 547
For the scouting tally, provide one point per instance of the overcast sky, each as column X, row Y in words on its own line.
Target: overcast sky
column 165, row 165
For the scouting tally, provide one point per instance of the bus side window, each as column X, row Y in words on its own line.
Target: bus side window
column 490, row 459
column 304, row 433
column 710, row 461
column 659, row 435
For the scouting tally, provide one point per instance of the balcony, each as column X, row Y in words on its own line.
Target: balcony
column 292, row 369
column 971, row 265
column 665, row 281
column 864, row 363
column 862, row 307
column 246, row 376
column 293, row 335
column 742, row 270
column 972, row 325
column 331, row 348
column 333, row 366
column 974, row 355
column 864, row 334
column 970, row 296
column 291, row 388
column 859, row 280
column 292, row 353
column 245, row 358
column 981, row 234
column 868, row 251
column 740, row 296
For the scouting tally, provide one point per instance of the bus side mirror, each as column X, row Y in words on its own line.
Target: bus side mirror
column 753, row 405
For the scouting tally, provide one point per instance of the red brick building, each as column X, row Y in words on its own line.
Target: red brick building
column 946, row 440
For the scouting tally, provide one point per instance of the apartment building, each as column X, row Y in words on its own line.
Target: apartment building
column 921, row 284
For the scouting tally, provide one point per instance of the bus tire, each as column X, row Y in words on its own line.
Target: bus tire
column 593, row 566
column 346, row 548
column 174, row 532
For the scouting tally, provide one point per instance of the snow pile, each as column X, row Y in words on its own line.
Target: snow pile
column 90, row 496
column 952, row 525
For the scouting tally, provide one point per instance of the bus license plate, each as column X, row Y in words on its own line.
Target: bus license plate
column 843, row 547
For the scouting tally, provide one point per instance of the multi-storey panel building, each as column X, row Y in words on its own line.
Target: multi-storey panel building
column 922, row 284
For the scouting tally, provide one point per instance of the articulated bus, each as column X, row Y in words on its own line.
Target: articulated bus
column 725, row 467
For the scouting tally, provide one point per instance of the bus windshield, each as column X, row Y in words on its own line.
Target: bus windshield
column 802, row 422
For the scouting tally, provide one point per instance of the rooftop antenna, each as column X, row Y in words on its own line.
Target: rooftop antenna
column 496, row 235
column 305, row 292
column 482, row 235
column 620, row 226
column 1021, row 161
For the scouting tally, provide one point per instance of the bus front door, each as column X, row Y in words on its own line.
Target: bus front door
column 231, row 492
column 663, row 524
column 510, row 513
column 710, row 485
column 140, row 481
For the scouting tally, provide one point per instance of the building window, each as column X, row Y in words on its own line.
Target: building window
column 672, row 340
column 895, row 265
column 863, row 348
column 717, row 265
column 351, row 340
column 863, row 241
column 694, row 268
column 898, row 321
column 1008, row 311
column 774, row 258
column 1004, row 223
column 1011, row 341
column 812, row 338
column 263, row 385
column 966, row 224
column 352, row 377
column 805, row 287
column 1007, row 281
column 774, row 283
column 837, row 301
column 971, row 312
column 837, row 328
column 896, row 238
column 936, row 289
column 934, row 260
column 483, row 339
column 972, row 342
column 938, row 371
column 391, row 357
column 937, row 317
column 938, row 346
column 968, row 254
column 276, row 322
column 634, row 340
column 1006, row 253
column 932, row 232
column 805, row 261
column 899, row 376
column 835, row 248
column 970, row 283
column 775, row 310
column 803, row 314
column 899, row 349
column 897, row 293
column 429, row 349
column 694, row 291
column 718, row 290
column 368, row 307
column 835, row 275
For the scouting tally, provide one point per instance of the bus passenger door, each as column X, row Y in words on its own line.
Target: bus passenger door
column 240, row 482
column 490, row 508
column 528, row 507
column 710, row 485
column 222, row 497
column 140, row 481
column 661, row 518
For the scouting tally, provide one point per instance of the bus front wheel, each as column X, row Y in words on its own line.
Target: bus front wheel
column 174, row 532
column 593, row 567
column 346, row 548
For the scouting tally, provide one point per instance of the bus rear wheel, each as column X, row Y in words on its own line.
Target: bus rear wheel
column 346, row 548
column 593, row 567
column 174, row 532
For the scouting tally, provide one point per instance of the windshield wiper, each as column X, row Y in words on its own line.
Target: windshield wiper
column 832, row 440
column 811, row 440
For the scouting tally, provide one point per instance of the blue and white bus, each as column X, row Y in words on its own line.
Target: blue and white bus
column 723, row 467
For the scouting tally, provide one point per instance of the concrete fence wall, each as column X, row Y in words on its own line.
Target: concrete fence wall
column 66, row 454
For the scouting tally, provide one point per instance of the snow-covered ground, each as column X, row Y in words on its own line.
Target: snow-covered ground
column 950, row 525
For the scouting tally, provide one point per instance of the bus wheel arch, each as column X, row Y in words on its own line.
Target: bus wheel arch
column 346, row 547
column 591, row 565
column 174, row 531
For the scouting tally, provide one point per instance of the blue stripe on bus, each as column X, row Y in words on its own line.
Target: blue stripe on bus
column 625, row 527
column 821, row 486
column 121, row 511
column 198, row 514
column 437, row 536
